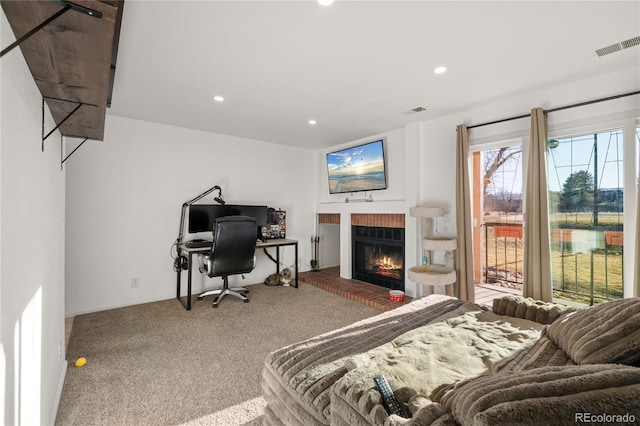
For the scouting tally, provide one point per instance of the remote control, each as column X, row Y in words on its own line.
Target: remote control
column 388, row 398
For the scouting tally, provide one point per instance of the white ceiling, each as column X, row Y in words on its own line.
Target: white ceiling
column 356, row 67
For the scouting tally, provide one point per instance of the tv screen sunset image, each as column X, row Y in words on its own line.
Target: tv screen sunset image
column 360, row 168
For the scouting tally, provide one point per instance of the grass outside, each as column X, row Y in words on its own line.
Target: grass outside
column 575, row 276
column 585, row 219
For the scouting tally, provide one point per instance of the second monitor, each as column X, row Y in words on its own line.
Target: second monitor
column 201, row 216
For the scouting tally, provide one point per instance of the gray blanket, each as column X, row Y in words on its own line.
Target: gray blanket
column 456, row 363
column 296, row 380
column 564, row 395
column 435, row 340
column 604, row 334
column 463, row 343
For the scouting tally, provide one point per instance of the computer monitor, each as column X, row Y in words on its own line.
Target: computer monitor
column 201, row 216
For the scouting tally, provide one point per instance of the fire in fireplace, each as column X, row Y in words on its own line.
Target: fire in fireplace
column 379, row 262
column 378, row 256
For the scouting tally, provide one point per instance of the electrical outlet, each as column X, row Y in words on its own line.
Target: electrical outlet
column 135, row 282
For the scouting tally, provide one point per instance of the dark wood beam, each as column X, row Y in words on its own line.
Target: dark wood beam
column 72, row 59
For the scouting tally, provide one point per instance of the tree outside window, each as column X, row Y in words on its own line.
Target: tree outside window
column 577, row 192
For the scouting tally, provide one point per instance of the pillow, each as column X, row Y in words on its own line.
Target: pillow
column 547, row 395
column 605, row 333
column 527, row 308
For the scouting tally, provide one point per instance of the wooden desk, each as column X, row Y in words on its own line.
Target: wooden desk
column 183, row 250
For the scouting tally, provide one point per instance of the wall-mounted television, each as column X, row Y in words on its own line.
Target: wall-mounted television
column 359, row 168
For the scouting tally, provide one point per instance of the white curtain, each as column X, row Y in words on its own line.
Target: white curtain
column 537, row 251
column 465, row 289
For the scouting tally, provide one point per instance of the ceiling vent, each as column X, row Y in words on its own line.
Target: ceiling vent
column 616, row 47
column 416, row 109
column 631, row 42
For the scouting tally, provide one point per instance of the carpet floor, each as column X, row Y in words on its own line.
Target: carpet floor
column 158, row 364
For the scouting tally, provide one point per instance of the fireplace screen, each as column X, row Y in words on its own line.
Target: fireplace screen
column 378, row 256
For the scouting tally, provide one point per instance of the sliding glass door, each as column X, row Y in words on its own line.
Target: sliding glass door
column 593, row 175
column 586, row 215
column 498, row 202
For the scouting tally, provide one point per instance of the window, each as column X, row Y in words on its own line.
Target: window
column 586, row 216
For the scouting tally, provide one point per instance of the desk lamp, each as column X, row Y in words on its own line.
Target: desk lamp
column 180, row 261
column 217, row 199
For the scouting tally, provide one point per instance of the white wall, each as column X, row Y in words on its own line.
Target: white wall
column 328, row 245
column 32, row 362
column 124, row 197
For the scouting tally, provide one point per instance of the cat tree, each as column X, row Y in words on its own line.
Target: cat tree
column 440, row 277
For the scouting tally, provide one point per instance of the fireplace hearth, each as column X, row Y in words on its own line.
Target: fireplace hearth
column 378, row 256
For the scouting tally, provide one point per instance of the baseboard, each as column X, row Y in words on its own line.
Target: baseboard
column 56, row 402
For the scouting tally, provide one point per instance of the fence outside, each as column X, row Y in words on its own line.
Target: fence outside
column 503, row 253
column 586, row 264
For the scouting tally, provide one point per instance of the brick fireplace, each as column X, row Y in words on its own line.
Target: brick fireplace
column 343, row 232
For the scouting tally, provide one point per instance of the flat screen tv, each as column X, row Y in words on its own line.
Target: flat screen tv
column 360, row 168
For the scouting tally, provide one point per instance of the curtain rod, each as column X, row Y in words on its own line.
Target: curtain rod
column 558, row 109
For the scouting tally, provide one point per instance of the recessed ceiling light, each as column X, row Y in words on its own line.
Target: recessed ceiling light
column 312, row 122
column 326, row 2
column 440, row 70
column 218, row 98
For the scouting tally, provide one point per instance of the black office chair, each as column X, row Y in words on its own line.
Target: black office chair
column 232, row 253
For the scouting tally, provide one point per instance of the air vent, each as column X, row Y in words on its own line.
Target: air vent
column 631, row 42
column 609, row 49
column 616, row 47
column 416, row 109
